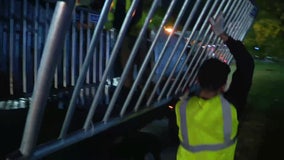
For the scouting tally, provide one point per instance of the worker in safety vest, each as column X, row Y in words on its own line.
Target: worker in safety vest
column 208, row 122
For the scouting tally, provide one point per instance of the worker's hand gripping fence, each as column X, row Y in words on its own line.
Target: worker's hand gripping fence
column 86, row 73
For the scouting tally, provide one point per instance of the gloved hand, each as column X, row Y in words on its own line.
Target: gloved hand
column 217, row 24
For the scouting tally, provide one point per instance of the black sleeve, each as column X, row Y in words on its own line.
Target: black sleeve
column 242, row 78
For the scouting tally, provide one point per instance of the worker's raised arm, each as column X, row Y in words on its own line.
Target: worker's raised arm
column 242, row 77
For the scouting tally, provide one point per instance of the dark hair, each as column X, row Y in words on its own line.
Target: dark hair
column 213, row 74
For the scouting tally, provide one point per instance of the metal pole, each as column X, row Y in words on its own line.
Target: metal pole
column 11, row 47
column 232, row 17
column 189, row 39
column 88, row 39
column 147, row 58
column 204, row 43
column 181, row 13
column 81, row 40
column 74, row 50
column 183, row 51
column 51, row 56
column 36, row 58
column 130, row 61
column 24, row 43
column 82, row 75
column 184, row 63
column 111, row 62
column 239, row 19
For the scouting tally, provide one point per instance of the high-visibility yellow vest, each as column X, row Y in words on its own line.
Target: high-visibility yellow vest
column 109, row 23
column 135, row 29
column 207, row 129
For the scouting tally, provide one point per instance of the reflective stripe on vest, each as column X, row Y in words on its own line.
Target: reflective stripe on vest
column 227, row 120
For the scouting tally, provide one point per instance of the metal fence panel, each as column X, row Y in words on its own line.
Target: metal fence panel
column 87, row 55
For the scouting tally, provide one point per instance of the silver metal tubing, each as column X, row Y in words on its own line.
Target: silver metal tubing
column 11, row 47
column 81, row 40
column 230, row 15
column 249, row 23
column 195, row 68
column 186, row 60
column 108, row 48
column 192, row 48
column 95, row 68
column 239, row 19
column 36, row 36
column 232, row 19
column 158, row 62
column 238, row 13
column 181, row 13
column 114, row 53
column 82, row 134
column 88, row 39
column 50, row 58
column 130, row 61
column 24, row 43
column 83, row 71
column 204, row 43
column 65, row 65
column 246, row 21
column 56, row 78
column 74, row 50
column 101, row 55
column 147, row 58
column 189, row 20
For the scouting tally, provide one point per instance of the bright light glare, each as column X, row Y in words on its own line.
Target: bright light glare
column 168, row 29
column 171, row 107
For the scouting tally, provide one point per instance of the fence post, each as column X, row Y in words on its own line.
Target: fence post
column 50, row 57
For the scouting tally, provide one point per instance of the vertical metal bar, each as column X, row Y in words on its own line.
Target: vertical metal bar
column 246, row 28
column 88, row 43
column 108, row 47
column 189, row 39
column 74, row 50
column 36, row 58
column 204, row 51
column 228, row 13
column 101, row 54
column 237, row 14
column 11, row 47
column 147, row 58
column 82, row 75
column 117, row 45
column 184, row 63
column 236, row 20
column 95, row 69
column 65, row 59
column 232, row 17
column 81, row 40
column 24, row 60
column 245, row 21
column 56, row 77
column 226, row 52
column 190, row 17
column 130, row 61
column 50, row 58
column 181, row 13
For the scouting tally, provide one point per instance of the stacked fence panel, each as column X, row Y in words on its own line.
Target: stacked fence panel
column 89, row 57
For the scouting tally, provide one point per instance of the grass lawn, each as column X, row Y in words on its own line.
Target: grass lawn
column 268, row 85
column 261, row 134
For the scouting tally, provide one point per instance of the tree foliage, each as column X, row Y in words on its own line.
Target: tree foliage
column 267, row 31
